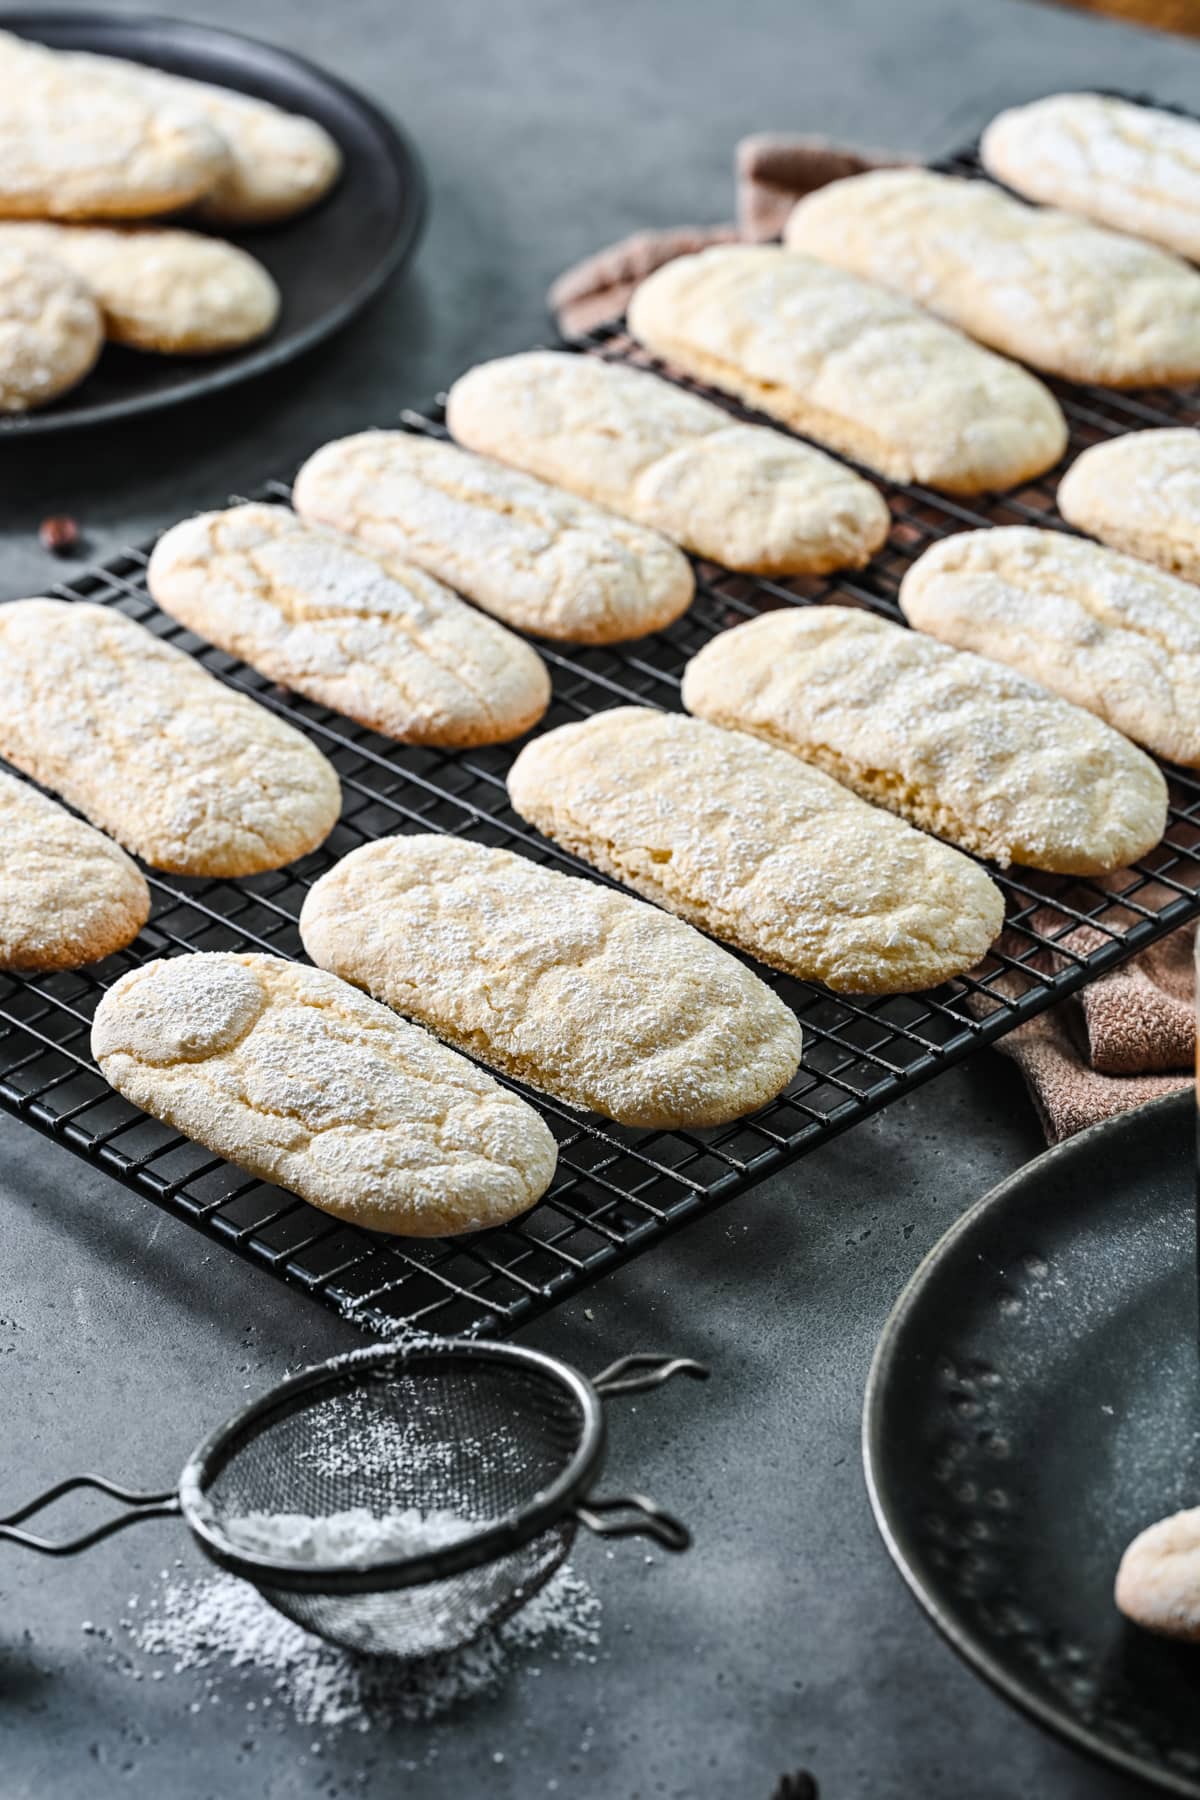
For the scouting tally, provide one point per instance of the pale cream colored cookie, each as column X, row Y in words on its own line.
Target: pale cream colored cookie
column 68, row 895
column 852, row 365
column 300, row 1079
column 535, row 557
column 1104, row 630
column 575, row 989
column 759, row 849
column 1158, row 1582
column 279, row 163
column 1046, row 287
column 1128, row 166
column 371, row 636
column 50, row 330
column 173, row 291
column 1140, row 493
column 190, row 776
column 739, row 494
column 72, row 147
column 960, row 746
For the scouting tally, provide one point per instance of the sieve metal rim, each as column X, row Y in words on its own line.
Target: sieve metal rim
column 495, row 1540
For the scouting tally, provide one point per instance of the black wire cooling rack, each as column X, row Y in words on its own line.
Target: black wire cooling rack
column 617, row 1190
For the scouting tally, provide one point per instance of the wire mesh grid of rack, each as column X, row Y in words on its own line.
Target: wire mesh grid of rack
column 617, row 1190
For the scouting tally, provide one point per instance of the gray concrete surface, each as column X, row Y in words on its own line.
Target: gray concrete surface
column 784, row 1639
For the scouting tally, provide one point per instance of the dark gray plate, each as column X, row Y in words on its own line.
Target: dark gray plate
column 1033, row 1403
column 328, row 262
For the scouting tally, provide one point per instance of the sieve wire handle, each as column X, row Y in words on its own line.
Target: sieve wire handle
column 141, row 1506
column 637, row 1373
column 633, row 1515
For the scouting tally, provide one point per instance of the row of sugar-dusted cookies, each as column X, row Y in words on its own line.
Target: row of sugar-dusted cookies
column 853, row 331
column 388, row 645
column 89, row 143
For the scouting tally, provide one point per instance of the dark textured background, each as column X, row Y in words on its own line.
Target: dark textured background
column 784, row 1638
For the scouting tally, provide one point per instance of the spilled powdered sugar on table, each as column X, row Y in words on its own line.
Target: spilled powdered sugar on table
column 219, row 1627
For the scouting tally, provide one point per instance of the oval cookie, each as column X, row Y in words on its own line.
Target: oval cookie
column 1050, row 289
column 72, row 147
column 1140, row 492
column 1104, row 630
column 278, row 163
column 178, row 292
column 1132, row 167
column 852, row 365
column 300, row 1079
column 373, row 637
column 1159, row 1577
column 535, row 557
column 50, row 330
column 758, row 849
column 192, row 777
column 1158, row 1582
column 738, row 494
column 68, row 895
column 564, row 984
column 957, row 745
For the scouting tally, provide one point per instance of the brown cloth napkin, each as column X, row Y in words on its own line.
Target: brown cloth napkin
column 1126, row 1038
column 1130, row 1035
column 773, row 170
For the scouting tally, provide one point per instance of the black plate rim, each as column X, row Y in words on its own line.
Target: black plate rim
column 405, row 164
column 973, row 1653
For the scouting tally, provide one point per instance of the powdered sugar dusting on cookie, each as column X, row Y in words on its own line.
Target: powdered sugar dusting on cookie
column 188, row 774
column 1107, row 631
column 350, row 627
column 1044, row 286
column 759, row 849
column 303, row 1080
column 959, row 745
column 586, row 993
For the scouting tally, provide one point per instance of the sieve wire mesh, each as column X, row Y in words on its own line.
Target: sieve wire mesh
column 459, row 1434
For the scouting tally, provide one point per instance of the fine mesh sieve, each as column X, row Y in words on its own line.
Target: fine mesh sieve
column 501, row 1436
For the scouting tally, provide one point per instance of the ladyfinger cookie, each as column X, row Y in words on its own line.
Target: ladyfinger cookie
column 535, row 557
column 190, row 776
column 177, row 292
column 852, row 365
column 738, row 494
column 1047, row 288
column 1158, row 1580
column 68, row 895
column 569, row 986
column 1141, row 493
column 1132, row 167
column 349, row 627
column 758, row 849
column 50, row 330
column 959, row 746
column 278, row 163
column 300, row 1079
column 75, row 148
column 1109, row 632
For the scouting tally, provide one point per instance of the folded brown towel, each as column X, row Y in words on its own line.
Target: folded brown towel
column 598, row 288
column 1068, row 1093
column 773, row 170
column 1126, row 1038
